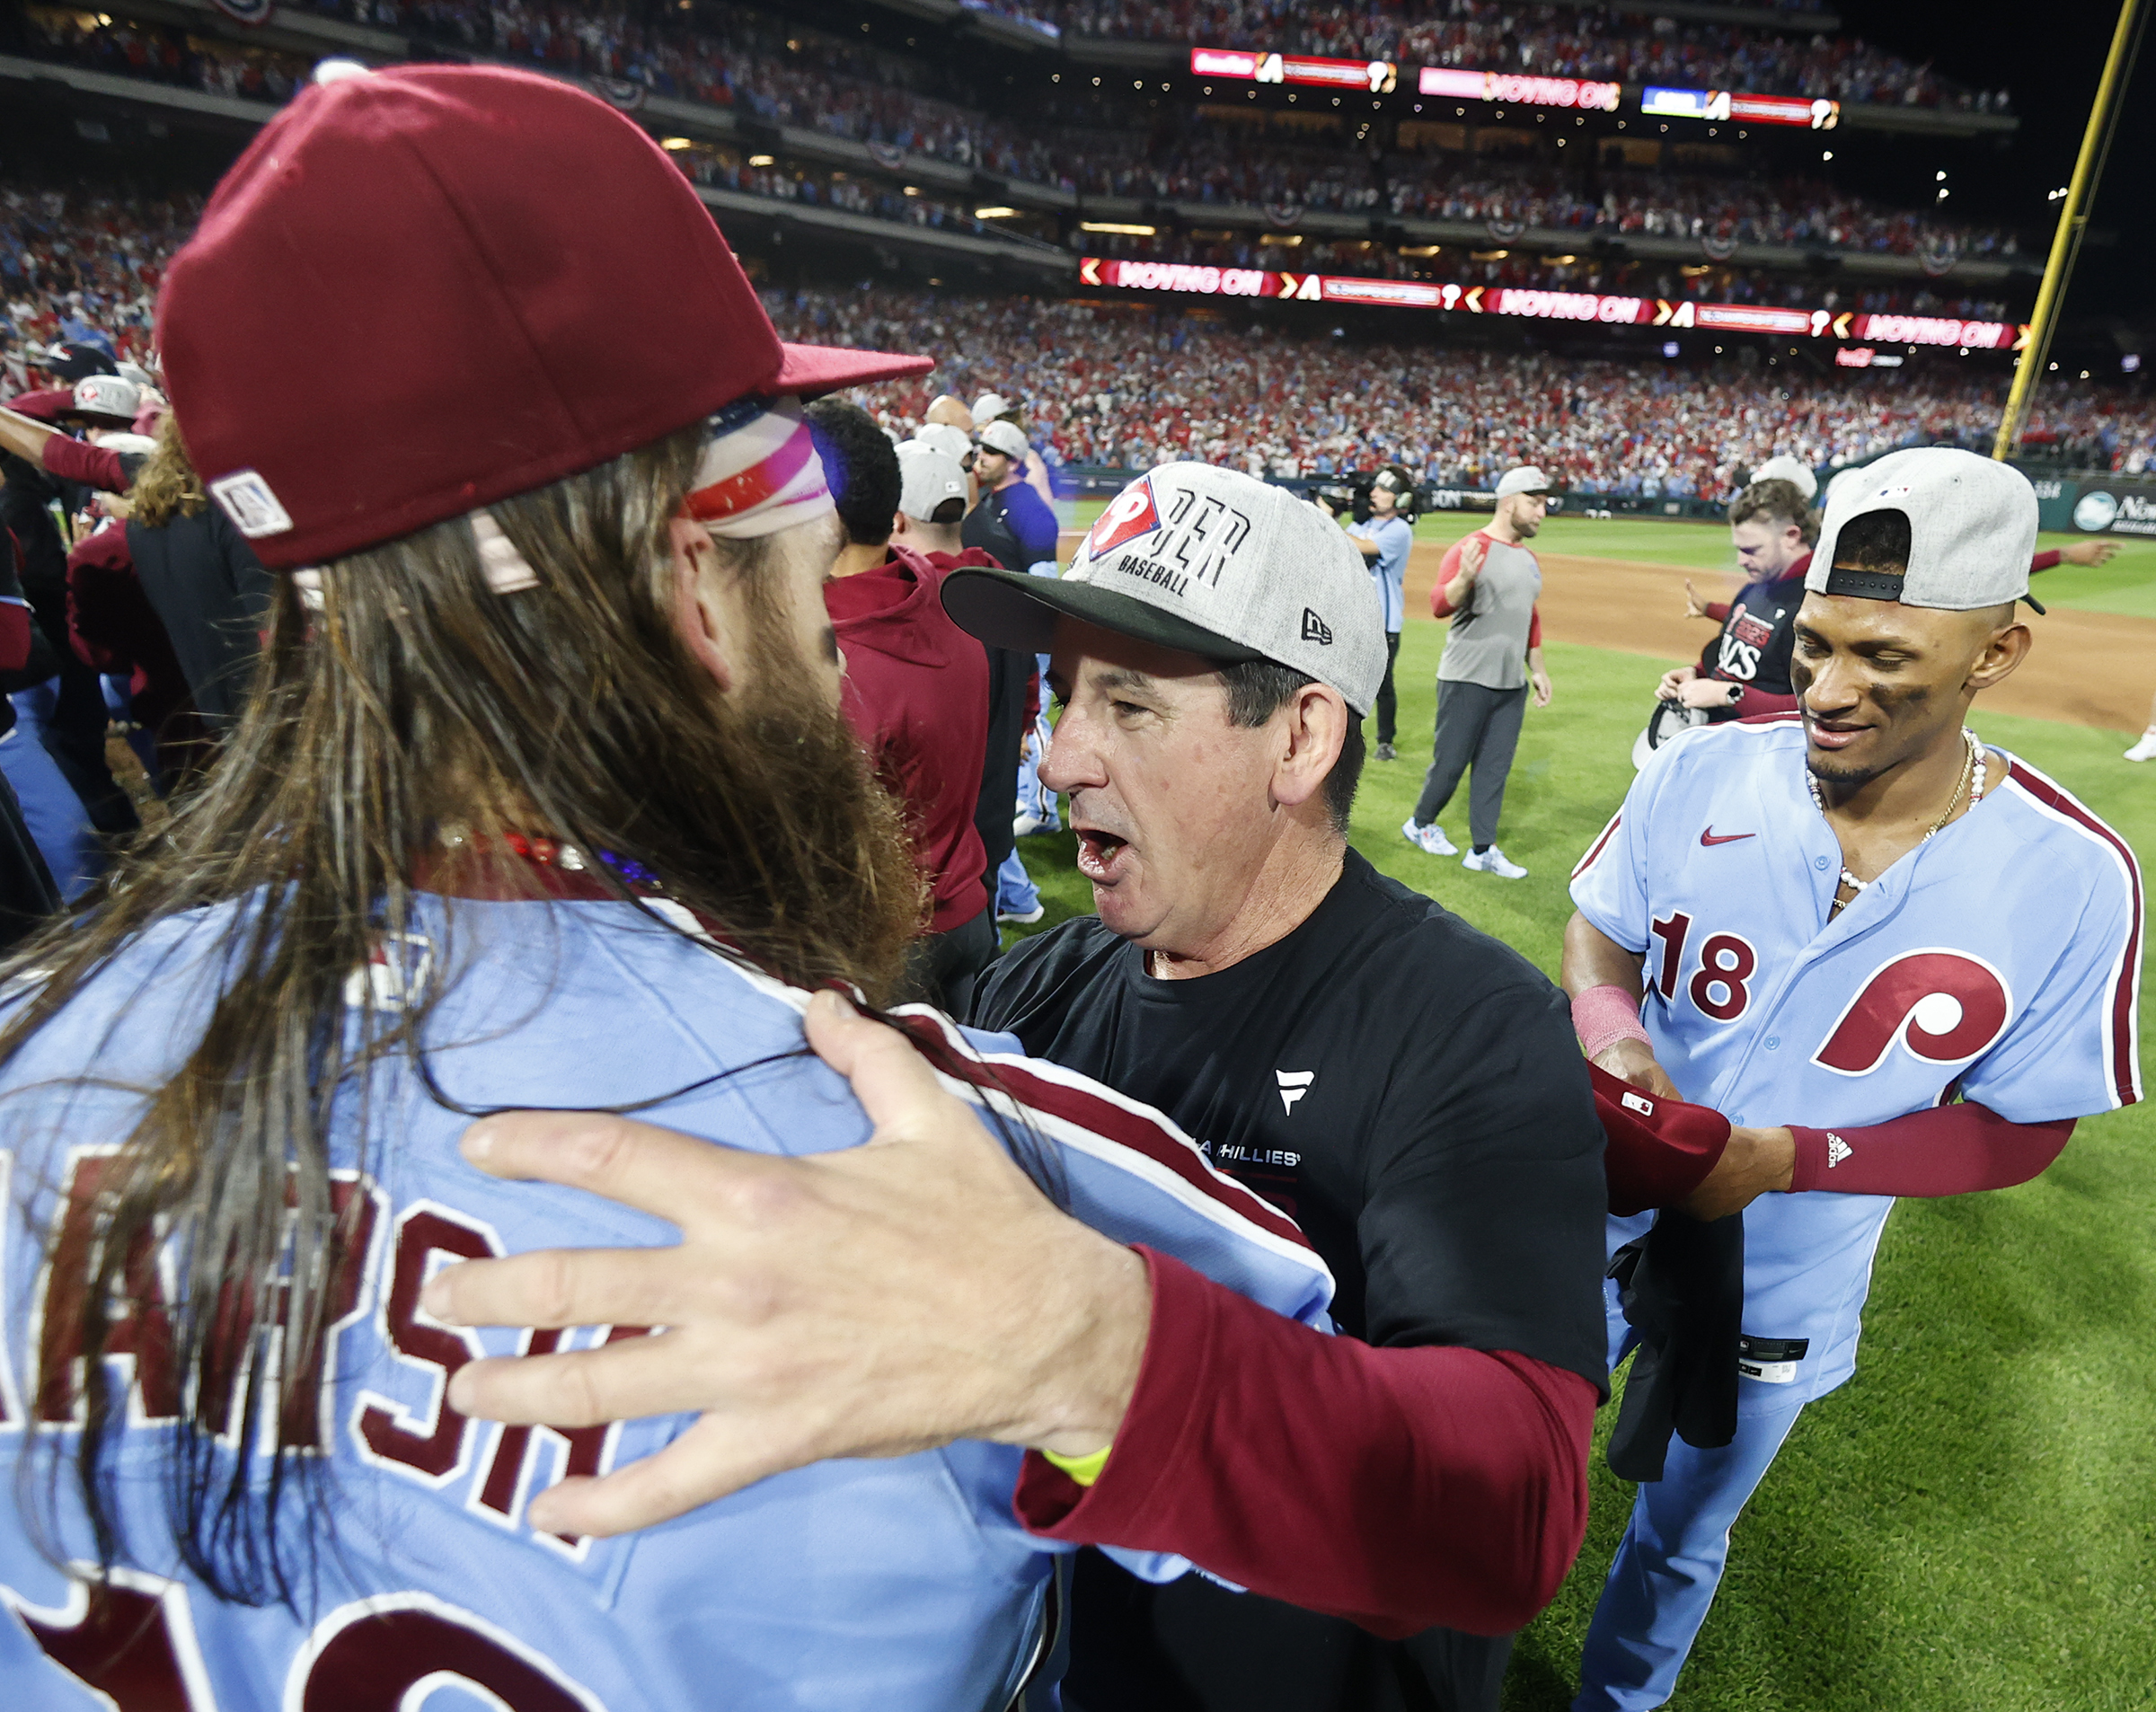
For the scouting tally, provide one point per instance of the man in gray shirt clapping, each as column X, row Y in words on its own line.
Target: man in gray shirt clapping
column 1486, row 585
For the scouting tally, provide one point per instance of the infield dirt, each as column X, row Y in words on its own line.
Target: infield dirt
column 2087, row 669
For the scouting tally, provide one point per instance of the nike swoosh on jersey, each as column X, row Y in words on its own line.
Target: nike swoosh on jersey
column 1711, row 837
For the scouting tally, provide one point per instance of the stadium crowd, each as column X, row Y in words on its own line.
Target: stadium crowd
column 741, row 60
column 1486, row 35
column 74, row 263
column 1127, row 388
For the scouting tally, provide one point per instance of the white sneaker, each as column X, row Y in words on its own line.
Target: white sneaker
column 1023, row 918
column 1026, row 826
column 1430, row 840
column 2144, row 749
column 1493, row 861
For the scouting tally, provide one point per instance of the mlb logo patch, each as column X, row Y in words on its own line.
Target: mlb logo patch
column 1130, row 513
column 254, row 510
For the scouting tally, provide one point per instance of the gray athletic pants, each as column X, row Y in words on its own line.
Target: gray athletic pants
column 1478, row 727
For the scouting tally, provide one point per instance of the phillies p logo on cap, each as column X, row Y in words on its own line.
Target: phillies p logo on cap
column 1130, row 513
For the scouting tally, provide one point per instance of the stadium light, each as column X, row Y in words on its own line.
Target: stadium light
column 766, row 160
column 1826, row 155
column 909, row 189
column 682, row 142
column 1118, row 226
column 994, row 213
column 1939, row 177
column 2130, row 363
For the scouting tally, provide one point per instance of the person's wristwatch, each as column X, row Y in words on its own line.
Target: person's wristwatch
column 1736, row 694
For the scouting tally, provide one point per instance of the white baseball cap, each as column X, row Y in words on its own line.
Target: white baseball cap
column 1006, row 437
column 988, row 407
column 947, row 437
column 1526, row 479
column 927, row 477
column 107, row 395
column 1208, row 560
column 1784, row 468
column 1971, row 530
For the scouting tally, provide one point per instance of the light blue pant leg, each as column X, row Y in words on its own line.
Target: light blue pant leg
column 1015, row 893
column 1670, row 1561
column 54, row 816
column 119, row 702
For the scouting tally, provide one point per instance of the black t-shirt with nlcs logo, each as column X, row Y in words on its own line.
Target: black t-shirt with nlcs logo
column 1758, row 635
column 1410, row 1091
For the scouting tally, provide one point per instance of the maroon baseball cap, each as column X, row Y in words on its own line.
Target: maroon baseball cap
column 432, row 288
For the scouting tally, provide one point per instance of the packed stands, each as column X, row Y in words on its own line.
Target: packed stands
column 1612, row 47
column 743, row 61
column 74, row 262
column 1123, row 388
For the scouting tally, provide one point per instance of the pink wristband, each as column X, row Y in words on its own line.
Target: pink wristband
column 1604, row 1015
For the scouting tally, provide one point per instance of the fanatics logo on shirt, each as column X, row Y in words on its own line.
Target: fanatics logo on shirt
column 1293, row 1085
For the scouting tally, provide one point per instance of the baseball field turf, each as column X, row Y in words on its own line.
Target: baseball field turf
column 1969, row 1525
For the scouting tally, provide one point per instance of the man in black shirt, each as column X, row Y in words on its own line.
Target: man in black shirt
column 1407, row 1089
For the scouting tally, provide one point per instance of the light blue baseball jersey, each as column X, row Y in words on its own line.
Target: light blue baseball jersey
column 1395, row 539
column 2001, row 959
column 905, row 1585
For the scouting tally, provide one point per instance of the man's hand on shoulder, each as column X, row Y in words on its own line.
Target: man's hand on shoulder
column 875, row 1301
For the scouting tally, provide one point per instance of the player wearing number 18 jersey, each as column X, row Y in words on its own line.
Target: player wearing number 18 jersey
column 1920, row 956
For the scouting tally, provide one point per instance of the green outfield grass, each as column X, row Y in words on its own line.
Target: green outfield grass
column 1970, row 1524
column 2126, row 586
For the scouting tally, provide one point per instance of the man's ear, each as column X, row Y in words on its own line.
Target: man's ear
column 1316, row 730
column 2005, row 651
column 697, row 615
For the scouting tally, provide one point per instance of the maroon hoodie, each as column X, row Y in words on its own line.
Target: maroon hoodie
column 916, row 695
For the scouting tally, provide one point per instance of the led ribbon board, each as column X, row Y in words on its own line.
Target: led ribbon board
column 1609, row 309
column 1519, row 91
column 1660, row 103
column 1367, row 76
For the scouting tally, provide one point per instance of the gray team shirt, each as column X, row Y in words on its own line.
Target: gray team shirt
column 1489, row 641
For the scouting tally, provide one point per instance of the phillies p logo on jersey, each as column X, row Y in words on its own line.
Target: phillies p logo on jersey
column 1945, row 1007
column 1129, row 515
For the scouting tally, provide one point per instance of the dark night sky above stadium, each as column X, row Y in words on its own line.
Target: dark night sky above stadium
column 2050, row 57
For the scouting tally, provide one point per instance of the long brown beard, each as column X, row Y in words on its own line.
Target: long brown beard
column 810, row 769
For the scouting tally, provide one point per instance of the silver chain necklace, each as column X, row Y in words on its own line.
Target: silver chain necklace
column 1971, row 779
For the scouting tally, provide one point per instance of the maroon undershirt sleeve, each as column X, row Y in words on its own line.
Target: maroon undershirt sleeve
column 1756, row 703
column 1718, row 610
column 1943, row 1150
column 2044, row 560
column 1399, row 1488
column 15, row 637
column 79, row 460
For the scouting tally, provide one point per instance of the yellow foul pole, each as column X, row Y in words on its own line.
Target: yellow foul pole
column 2066, row 243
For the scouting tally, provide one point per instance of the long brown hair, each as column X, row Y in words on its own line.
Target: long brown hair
column 416, row 696
column 166, row 486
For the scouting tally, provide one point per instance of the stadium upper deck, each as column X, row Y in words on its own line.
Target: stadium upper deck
column 856, row 135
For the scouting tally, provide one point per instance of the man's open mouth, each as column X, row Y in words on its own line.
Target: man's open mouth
column 1096, row 854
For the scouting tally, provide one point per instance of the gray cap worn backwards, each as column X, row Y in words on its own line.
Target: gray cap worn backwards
column 1525, row 479
column 1971, row 530
column 1210, row 562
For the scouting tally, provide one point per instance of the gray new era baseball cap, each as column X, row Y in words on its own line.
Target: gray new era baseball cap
column 1006, row 437
column 1971, row 530
column 1211, row 561
column 927, row 477
column 1526, row 479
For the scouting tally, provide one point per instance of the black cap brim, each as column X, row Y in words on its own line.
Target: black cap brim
column 1009, row 609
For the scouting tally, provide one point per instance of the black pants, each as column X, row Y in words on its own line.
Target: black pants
column 1388, row 697
column 1193, row 1646
column 941, row 968
column 1478, row 728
